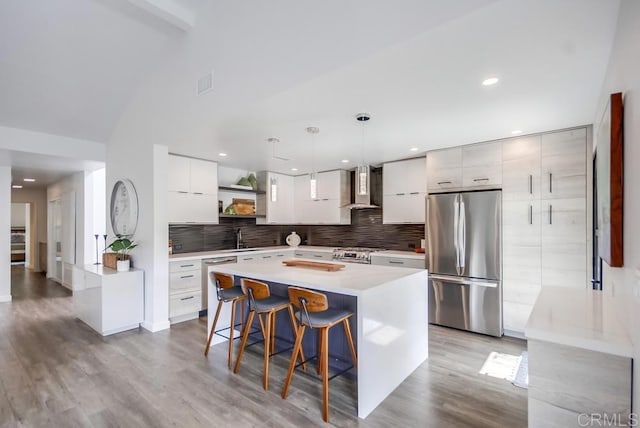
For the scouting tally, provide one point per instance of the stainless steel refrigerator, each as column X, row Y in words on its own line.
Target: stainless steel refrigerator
column 464, row 232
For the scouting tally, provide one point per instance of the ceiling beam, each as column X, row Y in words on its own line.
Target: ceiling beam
column 169, row 11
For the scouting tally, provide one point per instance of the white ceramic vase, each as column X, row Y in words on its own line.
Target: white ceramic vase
column 123, row 265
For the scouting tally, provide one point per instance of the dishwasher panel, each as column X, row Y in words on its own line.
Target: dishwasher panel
column 206, row 264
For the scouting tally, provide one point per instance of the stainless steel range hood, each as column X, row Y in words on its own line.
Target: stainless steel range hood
column 374, row 198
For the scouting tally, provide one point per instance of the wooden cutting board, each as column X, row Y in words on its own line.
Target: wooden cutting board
column 331, row 267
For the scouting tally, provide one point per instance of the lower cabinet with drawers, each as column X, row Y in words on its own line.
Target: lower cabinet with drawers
column 185, row 292
column 398, row 261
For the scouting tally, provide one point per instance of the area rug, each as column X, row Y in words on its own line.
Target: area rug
column 522, row 376
column 501, row 366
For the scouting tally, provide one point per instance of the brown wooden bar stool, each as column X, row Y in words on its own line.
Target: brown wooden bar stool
column 261, row 302
column 312, row 310
column 226, row 292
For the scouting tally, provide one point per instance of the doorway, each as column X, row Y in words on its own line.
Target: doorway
column 20, row 234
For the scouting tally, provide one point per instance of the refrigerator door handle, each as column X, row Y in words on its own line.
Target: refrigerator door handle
column 462, row 236
column 463, row 281
column 456, row 218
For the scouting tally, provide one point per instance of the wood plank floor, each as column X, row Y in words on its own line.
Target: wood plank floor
column 55, row 371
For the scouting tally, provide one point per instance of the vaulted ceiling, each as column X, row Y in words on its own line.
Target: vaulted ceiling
column 78, row 67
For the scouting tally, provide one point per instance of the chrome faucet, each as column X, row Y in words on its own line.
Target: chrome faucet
column 238, row 238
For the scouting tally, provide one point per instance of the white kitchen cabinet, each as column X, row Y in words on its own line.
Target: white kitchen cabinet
column 328, row 206
column 444, row 169
column 107, row 300
column 404, row 186
column 193, row 190
column 280, row 211
column 564, row 164
column 185, row 289
column 406, row 262
column 310, row 254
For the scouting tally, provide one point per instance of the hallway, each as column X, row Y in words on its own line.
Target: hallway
column 56, row 371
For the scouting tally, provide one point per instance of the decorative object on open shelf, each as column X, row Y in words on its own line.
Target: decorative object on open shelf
column 121, row 247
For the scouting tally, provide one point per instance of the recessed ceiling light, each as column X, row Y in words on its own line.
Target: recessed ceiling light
column 414, row 149
column 30, row 180
column 516, row 132
column 294, row 169
column 222, row 154
column 16, row 186
column 490, row 81
column 345, row 161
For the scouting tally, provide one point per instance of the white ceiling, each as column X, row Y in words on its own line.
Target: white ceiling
column 74, row 67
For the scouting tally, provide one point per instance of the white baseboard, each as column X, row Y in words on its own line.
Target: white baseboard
column 155, row 326
column 5, row 299
column 516, row 334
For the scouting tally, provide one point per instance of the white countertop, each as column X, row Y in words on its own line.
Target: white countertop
column 104, row 271
column 221, row 253
column 399, row 254
column 353, row 279
column 580, row 318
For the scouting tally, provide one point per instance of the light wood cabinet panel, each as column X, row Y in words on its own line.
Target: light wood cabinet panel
column 563, row 165
column 444, row 159
column 441, row 180
column 515, row 316
column 485, row 154
column 565, row 382
column 564, row 241
column 521, row 168
column 486, row 175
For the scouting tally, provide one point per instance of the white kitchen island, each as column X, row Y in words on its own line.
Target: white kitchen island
column 391, row 316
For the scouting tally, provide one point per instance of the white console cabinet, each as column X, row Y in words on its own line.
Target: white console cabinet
column 109, row 301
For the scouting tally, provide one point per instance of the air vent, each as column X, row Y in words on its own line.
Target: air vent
column 205, row 83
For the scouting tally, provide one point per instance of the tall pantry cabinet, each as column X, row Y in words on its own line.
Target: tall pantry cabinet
column 544, row 190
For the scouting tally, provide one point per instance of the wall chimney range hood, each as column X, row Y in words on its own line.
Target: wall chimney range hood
column 373, row 199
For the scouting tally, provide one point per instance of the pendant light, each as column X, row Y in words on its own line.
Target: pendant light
column 362, row 172
column 273, row 184
column 313, row 177
column 273, row 181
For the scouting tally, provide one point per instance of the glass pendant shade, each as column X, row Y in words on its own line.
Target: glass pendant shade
column 313, row 185
column 362, row 180
column 273, row 182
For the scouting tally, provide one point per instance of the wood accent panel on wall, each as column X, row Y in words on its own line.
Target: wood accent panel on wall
column 610, row 171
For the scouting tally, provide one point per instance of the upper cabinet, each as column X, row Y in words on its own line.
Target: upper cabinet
column 444, row 169
column 331, row 197
column 404, row 188
column 276, row 198
column 466, row 167
column 193, row 190
column 564, row 160
column 482, row 165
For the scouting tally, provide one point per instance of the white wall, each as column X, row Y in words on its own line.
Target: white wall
column 18, row 214
column 623, row 76
column 5, row 233
column 146, row 164
column 37, row 200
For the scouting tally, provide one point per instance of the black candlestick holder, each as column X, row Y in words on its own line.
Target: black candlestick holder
column 97, row 260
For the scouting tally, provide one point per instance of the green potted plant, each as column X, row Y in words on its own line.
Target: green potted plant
column 122, row 245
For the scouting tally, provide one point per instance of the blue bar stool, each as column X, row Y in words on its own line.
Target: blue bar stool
column 312, row 310
column 226, row 292
column 261, row 302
